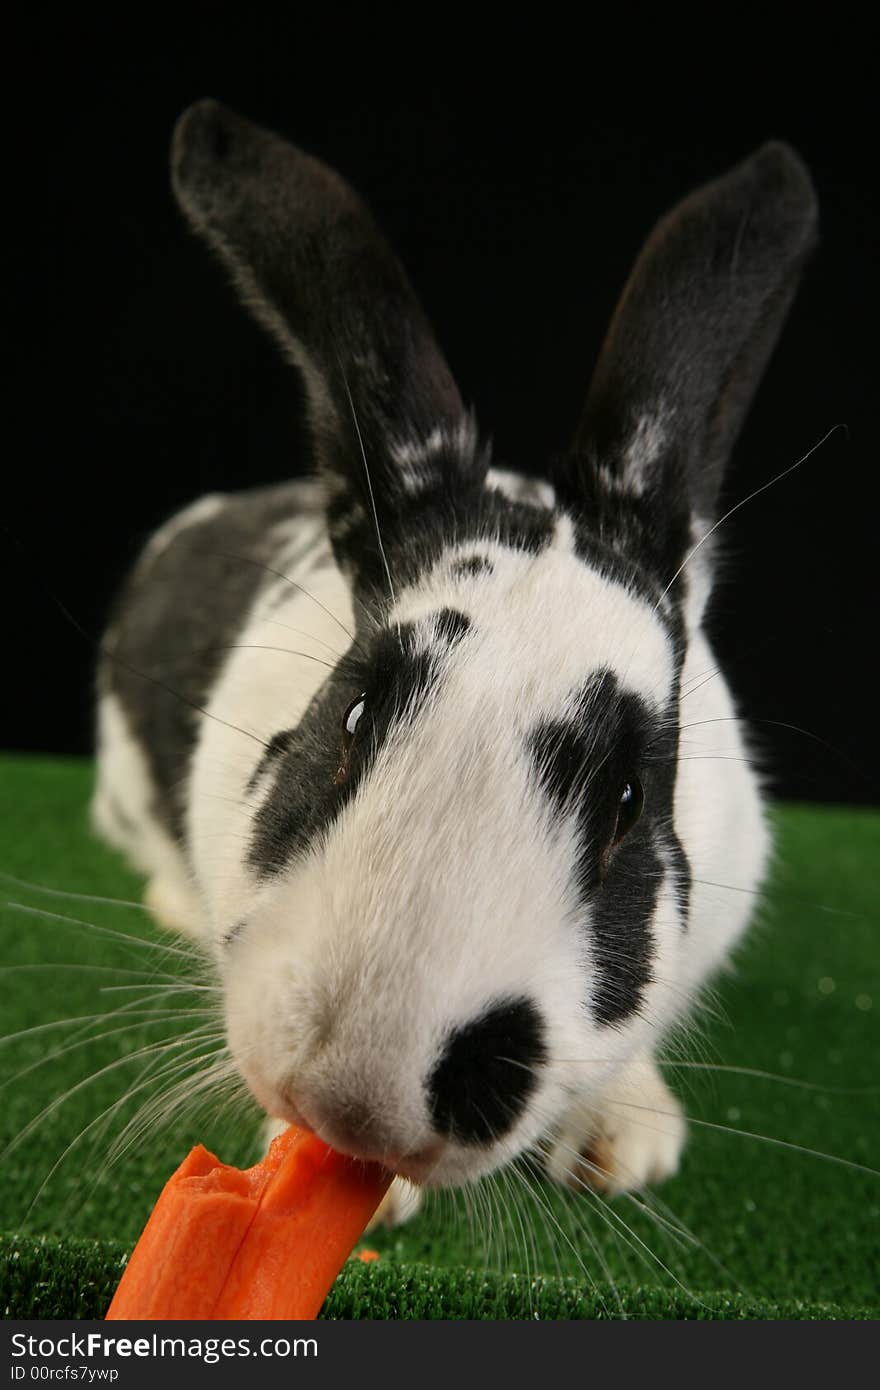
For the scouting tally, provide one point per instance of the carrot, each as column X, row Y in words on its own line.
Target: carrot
column 263, row 1242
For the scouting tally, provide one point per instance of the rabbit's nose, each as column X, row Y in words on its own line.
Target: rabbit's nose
column 353, row 1127
column 488, row 1069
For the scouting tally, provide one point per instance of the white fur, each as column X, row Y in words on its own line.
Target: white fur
column 125, row 785
column 649, row 439
column 519, row 487
column 415, row 458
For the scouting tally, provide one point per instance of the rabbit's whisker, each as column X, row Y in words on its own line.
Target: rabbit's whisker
column 540, row 1201
column 48, row 892
column 753, row 1134
column 742, row 503
column 295, row 584
column 105, row 1115
column 369, row 485
column 608, row 1214
column 164, row 948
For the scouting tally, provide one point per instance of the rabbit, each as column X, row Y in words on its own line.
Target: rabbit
column 400, row 743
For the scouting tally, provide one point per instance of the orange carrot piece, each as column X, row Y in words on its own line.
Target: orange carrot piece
column 265, row 1242
column 179, row 1266
column 311, row 1215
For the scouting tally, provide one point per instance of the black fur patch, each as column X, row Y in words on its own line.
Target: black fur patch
column 639, row 542
column 473, row 565
column 316, row 776
column 480, row 1085
column 583, row 762
column 316, row 260
column 689, row 341
column 415, row 540
column 173, row 625
column 452, row 625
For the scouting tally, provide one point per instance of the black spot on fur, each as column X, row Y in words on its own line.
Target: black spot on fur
column 473, row 565
column 585, row 759
column 620, row 928
column 174, row 623
column 479, row 1087
column 452, row 625
column 583, row 762
column 308, row 793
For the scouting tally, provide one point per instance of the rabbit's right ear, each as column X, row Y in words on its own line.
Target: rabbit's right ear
column 311, row 265
column 685, row 352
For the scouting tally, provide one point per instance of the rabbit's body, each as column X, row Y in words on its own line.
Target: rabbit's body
column 422, row 707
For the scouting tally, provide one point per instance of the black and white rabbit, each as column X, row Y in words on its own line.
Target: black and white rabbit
column 400, row 744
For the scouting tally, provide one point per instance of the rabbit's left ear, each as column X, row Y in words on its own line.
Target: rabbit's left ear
column 688, row 345
column 308, row 260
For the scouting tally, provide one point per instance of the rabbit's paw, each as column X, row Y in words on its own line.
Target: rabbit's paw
column 633, row 1137
column 172, row 905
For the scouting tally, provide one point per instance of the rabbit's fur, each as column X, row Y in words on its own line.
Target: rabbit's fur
column 445, row 933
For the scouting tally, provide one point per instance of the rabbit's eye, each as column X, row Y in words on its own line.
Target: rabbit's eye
column 350, row 721
column 632, row 799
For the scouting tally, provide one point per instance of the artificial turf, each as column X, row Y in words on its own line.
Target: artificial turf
column 747, row 1229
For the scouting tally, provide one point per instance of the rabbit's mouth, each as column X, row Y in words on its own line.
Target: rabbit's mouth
column 359, row 1139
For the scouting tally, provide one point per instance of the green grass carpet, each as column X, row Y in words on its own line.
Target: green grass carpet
column 748, row 1228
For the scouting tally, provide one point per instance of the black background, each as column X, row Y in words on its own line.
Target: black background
column 517, row 173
